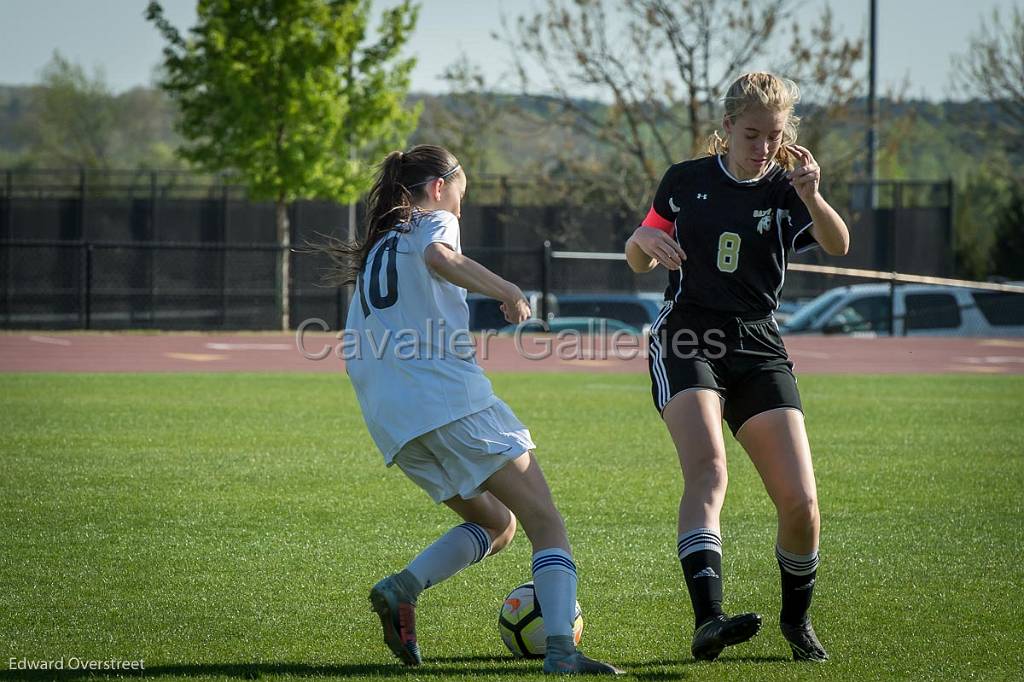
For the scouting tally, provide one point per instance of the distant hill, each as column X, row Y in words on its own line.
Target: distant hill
column 507, row 134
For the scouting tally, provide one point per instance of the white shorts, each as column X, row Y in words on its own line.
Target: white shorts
column 458, row 457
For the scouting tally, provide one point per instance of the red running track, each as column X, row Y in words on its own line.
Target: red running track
column 277, row 352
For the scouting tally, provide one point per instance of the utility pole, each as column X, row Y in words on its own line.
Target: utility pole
column 872, row 97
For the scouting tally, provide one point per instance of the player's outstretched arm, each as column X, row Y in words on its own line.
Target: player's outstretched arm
column 468, row 274
column 649, row 246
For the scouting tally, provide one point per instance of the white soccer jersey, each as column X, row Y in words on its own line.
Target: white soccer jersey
column 407, row 347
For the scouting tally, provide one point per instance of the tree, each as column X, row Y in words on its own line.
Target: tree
column 1008, row 252
column 74, row 117
column 146, row 139
column 290, row 95
column 993, row 70
column 464, row 121
column 982, row 197
column 76, row 120
column 662, row 66
column 990, row 221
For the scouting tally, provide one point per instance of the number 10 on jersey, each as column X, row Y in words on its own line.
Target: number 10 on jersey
column 728, row 252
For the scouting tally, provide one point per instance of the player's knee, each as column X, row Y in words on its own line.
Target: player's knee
column 501, row 537
column 799, row 509
column 709, row 478
column 547, row 516
column 543, row 525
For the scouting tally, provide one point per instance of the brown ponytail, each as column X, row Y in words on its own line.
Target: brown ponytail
column 390, row 204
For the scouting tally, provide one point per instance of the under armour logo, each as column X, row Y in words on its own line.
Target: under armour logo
column 706, row 573
column 701, row 196
column 672, row 205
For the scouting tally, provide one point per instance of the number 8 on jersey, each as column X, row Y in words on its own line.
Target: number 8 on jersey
column 728, row 252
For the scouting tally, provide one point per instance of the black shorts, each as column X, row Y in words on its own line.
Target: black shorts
column 743, row 360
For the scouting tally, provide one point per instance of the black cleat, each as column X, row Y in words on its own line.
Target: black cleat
column 398, row 620
column 804, row 642
column 722, row 631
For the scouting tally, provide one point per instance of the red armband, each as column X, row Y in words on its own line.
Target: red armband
column 655, row 220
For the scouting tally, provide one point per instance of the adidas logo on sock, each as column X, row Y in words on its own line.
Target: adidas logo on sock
column 706, row 573
column 805, row 587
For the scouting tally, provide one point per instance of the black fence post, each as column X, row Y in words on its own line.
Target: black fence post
column 222, row 260
column 897, row 207
column 8, row 250
column 153, row 234
column 81, row 204
column 545, row 278
column 892, row 307
column 8, row 205
column 85, row 287
column 83, row 256
column 278, row 299
column 150, row 255
column 294, row 299
column 8, row 282
column 951, row 235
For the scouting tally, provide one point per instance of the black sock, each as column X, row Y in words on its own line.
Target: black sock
column 798, row 573
column 700, row 553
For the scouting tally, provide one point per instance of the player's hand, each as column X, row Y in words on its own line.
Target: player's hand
column 659, row 246
column 516, row 310
column 806, row 177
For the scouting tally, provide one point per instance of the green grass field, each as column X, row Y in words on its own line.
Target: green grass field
column 230, row 526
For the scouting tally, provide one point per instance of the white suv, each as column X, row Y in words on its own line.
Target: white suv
column 917, row 310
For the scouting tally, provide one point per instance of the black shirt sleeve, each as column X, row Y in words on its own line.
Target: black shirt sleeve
column 796, row 231
column 664, row 205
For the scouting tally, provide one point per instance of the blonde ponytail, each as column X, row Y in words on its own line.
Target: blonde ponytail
column 767, row 91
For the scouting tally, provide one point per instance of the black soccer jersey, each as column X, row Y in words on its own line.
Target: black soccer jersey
column 736, row 234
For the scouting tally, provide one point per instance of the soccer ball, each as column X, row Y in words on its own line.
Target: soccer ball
column 522, row 626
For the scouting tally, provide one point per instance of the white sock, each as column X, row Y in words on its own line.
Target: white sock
column 554, row 580
column 460, row 547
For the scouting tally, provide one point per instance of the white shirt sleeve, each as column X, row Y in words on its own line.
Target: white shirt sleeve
column 439, row 226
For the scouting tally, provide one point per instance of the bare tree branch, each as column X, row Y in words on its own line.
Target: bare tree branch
column 993, row 69
column 659, row 67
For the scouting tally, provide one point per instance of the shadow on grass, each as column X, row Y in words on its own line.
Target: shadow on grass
column 454, row 666
column 450, row 666
column 668, row 669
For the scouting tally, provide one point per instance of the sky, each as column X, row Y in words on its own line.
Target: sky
column 917, row 39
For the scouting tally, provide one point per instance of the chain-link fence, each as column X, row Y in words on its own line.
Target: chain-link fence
column 159, row 285
column 118, row 285
column 181, row 250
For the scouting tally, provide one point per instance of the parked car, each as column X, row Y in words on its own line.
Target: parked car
column 485, row 313
column 584, row 325
column 636, row 310
column 917, row 310
column 787, row 309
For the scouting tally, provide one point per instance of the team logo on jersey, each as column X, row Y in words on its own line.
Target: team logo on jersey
column 672, row 205
column 765, row 223
column 782, row 215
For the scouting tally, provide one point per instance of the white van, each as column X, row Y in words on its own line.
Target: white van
column 917, row 310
